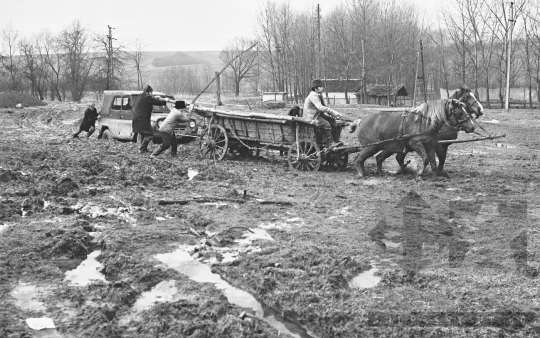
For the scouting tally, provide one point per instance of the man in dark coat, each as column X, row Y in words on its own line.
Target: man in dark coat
column 141, row 117
column 88, row 123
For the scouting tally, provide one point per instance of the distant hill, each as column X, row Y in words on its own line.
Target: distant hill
column 176, row 59
column 200, row 57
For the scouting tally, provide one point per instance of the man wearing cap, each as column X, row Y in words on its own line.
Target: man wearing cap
column 88, row 123
column 142, row 114
column 167, row 129
column 315, row 109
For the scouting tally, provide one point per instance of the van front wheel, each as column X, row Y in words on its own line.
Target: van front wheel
column 106, row 135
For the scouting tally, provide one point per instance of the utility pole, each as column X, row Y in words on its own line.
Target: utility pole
column 218, row 90
column 318, row 20
column 423, row 72
column 416, row 78
column 419, row 62
column 508, row 54
column 110, row 66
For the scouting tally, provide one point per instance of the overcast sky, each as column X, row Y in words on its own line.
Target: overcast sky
column 165, row 25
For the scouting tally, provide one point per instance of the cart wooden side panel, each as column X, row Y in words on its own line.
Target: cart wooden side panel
column 299, row 137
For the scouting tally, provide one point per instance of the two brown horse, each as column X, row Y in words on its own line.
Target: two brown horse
column 472, row 105
column 416, row 129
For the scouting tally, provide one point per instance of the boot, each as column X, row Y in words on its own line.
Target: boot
column 157, row 152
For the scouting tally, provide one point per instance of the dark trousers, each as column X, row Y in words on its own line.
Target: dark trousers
column 328, row 125
column 169, row 141
column 145, row 142
column 88, row 133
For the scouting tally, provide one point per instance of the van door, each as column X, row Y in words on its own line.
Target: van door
column 116, row 112
column 126, row 115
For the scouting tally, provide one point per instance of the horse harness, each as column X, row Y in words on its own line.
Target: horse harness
column 439, row 126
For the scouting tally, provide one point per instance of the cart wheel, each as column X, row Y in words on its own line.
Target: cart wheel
column 214, row 143
column 336, row 160
column 307, row 158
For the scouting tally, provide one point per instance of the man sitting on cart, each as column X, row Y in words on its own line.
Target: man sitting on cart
column 315, row 109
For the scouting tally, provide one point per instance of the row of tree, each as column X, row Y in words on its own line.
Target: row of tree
column 378, row 41
column 372, row 40
column 68, row 64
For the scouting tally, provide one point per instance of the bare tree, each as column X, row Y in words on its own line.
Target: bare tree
column 363, row 15
column 398, row 33
column 112, row 58
column 77, row 48
column 243, row 63
column 139, row 63
column 53, row 58
column 33, row 66
column 9, row 58
column 340, row 39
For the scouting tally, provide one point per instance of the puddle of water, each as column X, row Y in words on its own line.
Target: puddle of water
column 181, row 261
column 366, row 279
column 391, row 244
column 281, row 324
column 86, row 272
column 257, row 233
column 165, row 291
column 218, row 205
column 371, row 181
column 286, row 224
column 191, row 173
column 3, row 227
column 46, row 333
column 504, row 145
column 94, row 211
column 25, row 296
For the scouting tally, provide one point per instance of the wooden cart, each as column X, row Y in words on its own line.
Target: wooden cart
column 306, row 147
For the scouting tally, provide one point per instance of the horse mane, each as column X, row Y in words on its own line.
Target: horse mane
column 432, row 112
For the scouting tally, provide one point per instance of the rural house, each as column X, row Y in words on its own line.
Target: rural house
column 378, row 94
column 336, row 88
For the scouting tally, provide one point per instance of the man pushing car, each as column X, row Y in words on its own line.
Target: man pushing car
column 177, row 115
column 142, row 114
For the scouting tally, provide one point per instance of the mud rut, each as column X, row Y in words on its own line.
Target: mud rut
column 62, row 200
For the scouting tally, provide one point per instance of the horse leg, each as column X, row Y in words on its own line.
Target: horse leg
column 441, row 151
column 431, row 159
column 380, row 159
column 421, row 151
column 400, row 158
column 362, row 156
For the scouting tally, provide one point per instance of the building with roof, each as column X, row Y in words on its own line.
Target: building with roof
column 337, row 90
column 378, row 94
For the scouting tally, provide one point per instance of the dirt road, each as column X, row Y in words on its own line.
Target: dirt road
column 85, row 242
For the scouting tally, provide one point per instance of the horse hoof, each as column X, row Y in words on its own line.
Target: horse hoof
column 443, row 174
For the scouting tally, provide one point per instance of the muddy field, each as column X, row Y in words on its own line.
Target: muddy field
column 258, row 250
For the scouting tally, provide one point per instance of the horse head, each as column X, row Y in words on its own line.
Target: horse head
column 458, row 116
column 473, row 106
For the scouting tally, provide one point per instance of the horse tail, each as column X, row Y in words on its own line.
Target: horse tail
column 354, row 125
